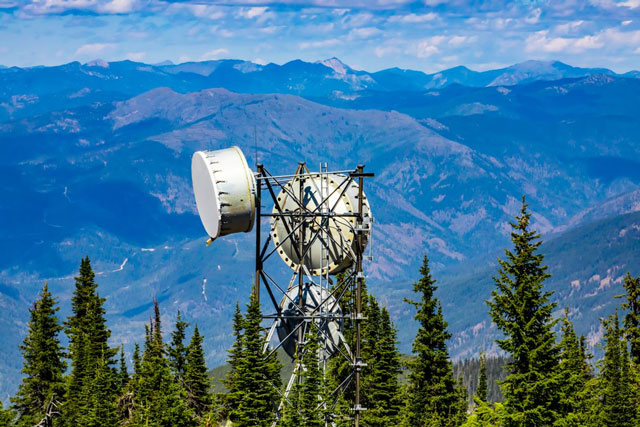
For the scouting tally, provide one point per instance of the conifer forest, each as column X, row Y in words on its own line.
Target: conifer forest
column 546, row 375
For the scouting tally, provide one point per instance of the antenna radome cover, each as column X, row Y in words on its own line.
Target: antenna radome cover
column 225, row 191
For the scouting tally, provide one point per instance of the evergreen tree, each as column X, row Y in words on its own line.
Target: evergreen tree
column 303, row 408
column 617, row 407
column 88, row 347
column 632, row 319
column 123, row 372
column 6, row 416
column 433, row 398
column 136, row 359
column 522, row 311
column 216, row 413
column 484, row 415
column 196, row 380
column 383, row 387
column 339, row 368
column 291, row 413
column 42, row 389
column 102, row 405
column 258, row 377
column 575, row 372
column 232, row 381
column 177, row 351
column 481, row 391
column 312, row 387
column 159, row 400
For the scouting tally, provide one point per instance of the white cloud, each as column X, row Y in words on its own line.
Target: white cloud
column 460, row 40
column 534, row 17
column 58, row 6
column 364, row 32
column 587, row 42
column 94, row 49
column 427, row 47
column 381, row 51
column 501, row 23
column 413, row 18
column 271, row 29
column 357, row 20
column 118, row 6
column 259, row 61
column 631, row 4
column 319, row 44
column 213, row 54
column 252, row 12
column 568, row 28
column 625, row 23
column 541, row 42
column 615, row 37
column 199, row 10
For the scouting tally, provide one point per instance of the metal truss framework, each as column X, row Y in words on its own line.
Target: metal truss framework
column 304, row 226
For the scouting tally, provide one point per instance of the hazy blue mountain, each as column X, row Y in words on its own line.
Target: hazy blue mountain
column 94, row 159
column 587, row 266
column 525, row 72
column 28, row 91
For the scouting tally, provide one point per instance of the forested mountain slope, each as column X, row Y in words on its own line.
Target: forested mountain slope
column 94, row 159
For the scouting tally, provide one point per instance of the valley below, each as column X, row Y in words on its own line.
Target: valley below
column 95, row 160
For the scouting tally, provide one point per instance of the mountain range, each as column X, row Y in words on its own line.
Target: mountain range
column 94, row 159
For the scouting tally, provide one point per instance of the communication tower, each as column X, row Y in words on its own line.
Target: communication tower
column 320, row 224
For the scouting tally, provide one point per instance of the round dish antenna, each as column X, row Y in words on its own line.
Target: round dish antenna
column 316, row 301
column 225, row 190
column 325, row 207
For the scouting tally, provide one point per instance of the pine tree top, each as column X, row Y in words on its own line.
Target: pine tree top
column 44, row 366
column 632, row 318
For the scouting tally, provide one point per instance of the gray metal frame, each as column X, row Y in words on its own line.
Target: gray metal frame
column 354, row 276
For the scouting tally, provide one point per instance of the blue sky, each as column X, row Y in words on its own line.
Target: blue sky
column 429, row 35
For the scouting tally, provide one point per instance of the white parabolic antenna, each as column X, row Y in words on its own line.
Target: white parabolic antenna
column 332, row 250
column 225, row 191
column 313, row 296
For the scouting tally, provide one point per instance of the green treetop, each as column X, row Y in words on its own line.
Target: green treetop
column 632, row 319
column 382, row 384
column 232, row 381
column 102, row 405
column 617, row 407
column 136, row 359
column 522, row 311
column 258, row 377
column 88, row 346
column 339, row 368
column 159, row 400
column 6, row 416
column 42, row 389
column 481, row 391
column 575, row 373
column 433, row 398
column 291, row 411
column 123, row 371
column 196, row 380
column 177, row 351
column 312, row 388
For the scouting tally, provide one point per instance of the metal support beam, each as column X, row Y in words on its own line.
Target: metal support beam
column 359, row 280
column 301, row 228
